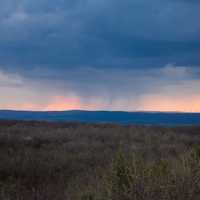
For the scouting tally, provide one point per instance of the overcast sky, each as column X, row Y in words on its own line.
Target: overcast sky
column 100, row 55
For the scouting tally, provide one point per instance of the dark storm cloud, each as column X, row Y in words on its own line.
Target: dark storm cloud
column 99, row 33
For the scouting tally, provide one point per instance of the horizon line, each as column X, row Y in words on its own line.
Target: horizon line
column 100, row 110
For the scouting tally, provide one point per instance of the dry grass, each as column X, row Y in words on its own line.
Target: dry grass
column 61, row 161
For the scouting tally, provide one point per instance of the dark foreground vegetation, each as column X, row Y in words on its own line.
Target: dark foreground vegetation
column 72, row 161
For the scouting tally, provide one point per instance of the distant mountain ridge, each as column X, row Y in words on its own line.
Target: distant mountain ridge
column 144, row 118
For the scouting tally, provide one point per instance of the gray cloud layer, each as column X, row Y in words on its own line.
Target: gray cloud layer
column 117, row 89
column 99, row 33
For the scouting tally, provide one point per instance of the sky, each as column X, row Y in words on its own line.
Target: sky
column 100, row 55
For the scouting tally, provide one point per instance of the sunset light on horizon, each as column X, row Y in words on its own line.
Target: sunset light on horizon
column 154, row 103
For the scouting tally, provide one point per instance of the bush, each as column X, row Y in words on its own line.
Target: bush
column 133, row 179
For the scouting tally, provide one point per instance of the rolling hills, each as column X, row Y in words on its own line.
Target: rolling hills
column 144, row 118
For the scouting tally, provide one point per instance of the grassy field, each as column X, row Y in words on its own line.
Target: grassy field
column 73, row 161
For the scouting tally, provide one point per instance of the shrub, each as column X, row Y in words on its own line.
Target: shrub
column 133, row 179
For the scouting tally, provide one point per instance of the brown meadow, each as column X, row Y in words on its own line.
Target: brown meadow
column 75, row 161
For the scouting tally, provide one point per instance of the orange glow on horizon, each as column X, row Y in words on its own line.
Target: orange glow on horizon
column 170, row 104
column 147, row 103
column 58, row 103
